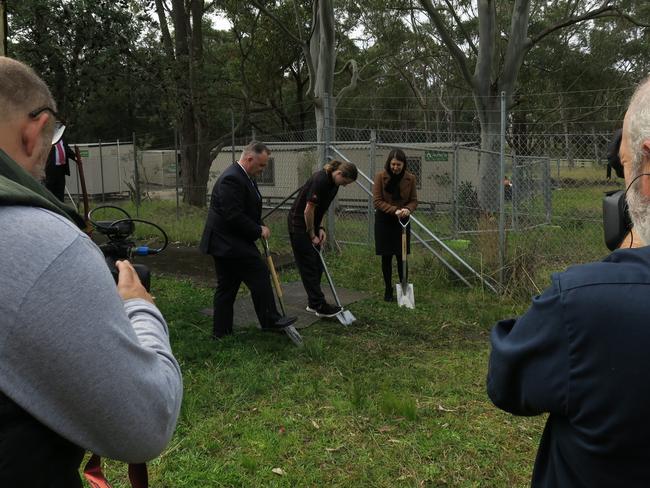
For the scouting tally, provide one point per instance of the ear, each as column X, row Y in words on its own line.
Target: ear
column 645, row 146
column 31, row 133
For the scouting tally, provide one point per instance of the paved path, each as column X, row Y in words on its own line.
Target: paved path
column 188, row 262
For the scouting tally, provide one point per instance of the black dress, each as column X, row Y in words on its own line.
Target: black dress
column 388, row 235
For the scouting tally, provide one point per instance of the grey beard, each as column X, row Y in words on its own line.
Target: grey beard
column 639, row 208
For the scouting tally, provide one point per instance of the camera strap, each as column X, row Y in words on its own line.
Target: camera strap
column 138, row 475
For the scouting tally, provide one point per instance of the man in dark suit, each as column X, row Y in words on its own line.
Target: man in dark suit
column 233, row 225
column 57, row 168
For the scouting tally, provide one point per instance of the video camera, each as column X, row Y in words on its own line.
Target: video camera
column 120, row 245
column 616, row 219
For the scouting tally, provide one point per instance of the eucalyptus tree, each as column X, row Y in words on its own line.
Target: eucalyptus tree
column 317, row 38
column 490, row 56
column 3, row 27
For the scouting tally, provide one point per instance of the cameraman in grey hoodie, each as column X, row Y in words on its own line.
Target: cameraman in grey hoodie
column 84, row 365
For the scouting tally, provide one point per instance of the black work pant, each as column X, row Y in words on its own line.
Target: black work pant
column 255, row 275
column 55, row 180
column 310, row 268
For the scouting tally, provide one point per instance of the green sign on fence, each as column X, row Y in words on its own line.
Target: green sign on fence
column 436, row 156
column 84, row 153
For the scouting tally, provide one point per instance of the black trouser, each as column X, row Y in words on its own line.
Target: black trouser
column 310, row 268
column 55, row 180
column 387, row 272
column 255, row 275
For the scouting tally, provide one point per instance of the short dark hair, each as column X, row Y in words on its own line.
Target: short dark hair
column 256, row 147
column 395, row 154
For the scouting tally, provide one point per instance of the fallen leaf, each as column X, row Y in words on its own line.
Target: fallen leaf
column 282, row 430
column 394, row 441
column 333, row 449
column 440, row 407
column 316, row 426
column 386, row 428
column 279, row 471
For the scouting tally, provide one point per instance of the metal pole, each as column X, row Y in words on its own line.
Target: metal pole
column 136, row 177
column 232, row 127
column 502, row 170
column 371, row 168
column 101, row 169
column 119, row 168
column 176, row 166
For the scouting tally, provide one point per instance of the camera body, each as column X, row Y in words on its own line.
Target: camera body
column 120, row 246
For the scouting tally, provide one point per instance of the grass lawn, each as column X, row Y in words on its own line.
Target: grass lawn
column 397, row 399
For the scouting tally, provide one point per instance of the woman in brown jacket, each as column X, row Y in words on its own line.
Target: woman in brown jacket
column 394, row 197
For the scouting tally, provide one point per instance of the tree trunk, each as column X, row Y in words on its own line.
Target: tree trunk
column 489, row 164
column 323, row 55
column 3, row 28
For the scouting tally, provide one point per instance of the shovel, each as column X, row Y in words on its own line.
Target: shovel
column 290, row 330
column 405, row 296
column 344, row 316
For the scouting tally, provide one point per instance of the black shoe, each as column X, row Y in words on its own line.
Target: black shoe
column 281, row 323
column 327, row 310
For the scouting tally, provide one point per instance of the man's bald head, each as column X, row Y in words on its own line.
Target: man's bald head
column 634, row 153
column 25, row 132
column 21, row 89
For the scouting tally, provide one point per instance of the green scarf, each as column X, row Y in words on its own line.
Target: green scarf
column 18, row 187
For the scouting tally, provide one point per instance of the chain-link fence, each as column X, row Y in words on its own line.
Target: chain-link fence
column 551, row 214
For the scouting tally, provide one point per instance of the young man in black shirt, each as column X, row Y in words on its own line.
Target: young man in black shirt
column 305, row 229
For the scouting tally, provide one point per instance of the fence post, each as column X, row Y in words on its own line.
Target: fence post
column 371, row 170
column 101, row 170
column 136, row 177
column 548, row 196
column 454, row 190
column 176, row 167
column 517, row 182
column 502, row 170
column 119, row 168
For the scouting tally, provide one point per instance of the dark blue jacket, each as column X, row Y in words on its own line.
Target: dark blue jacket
column 234, row 218
column 582, row 353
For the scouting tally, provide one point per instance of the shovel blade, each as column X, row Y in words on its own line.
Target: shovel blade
column 345, row 317
column 405, row 296
column 294, row 335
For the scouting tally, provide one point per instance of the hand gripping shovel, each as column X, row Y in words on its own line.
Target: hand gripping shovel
column 290, row 330
column 344, row 316
column 405, row 296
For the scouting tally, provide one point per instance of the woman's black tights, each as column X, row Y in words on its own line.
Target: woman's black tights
column 386, row 271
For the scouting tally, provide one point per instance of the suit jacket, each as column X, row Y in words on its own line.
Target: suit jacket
column 234, row 218
column 384, row 201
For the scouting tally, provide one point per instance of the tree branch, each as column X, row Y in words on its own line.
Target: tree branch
column 460, row 25
column 604, row 11
column 275, row 19
column 164, row 30
column 353, row 79
column 456, row 52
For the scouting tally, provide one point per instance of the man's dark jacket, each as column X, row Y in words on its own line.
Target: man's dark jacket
column 582, row 353
column 234, row 218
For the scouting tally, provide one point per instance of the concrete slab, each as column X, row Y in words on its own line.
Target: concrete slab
column 295, row 301
column 188, row 262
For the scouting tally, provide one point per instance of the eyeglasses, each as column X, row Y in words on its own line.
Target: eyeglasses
column 59, row 124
